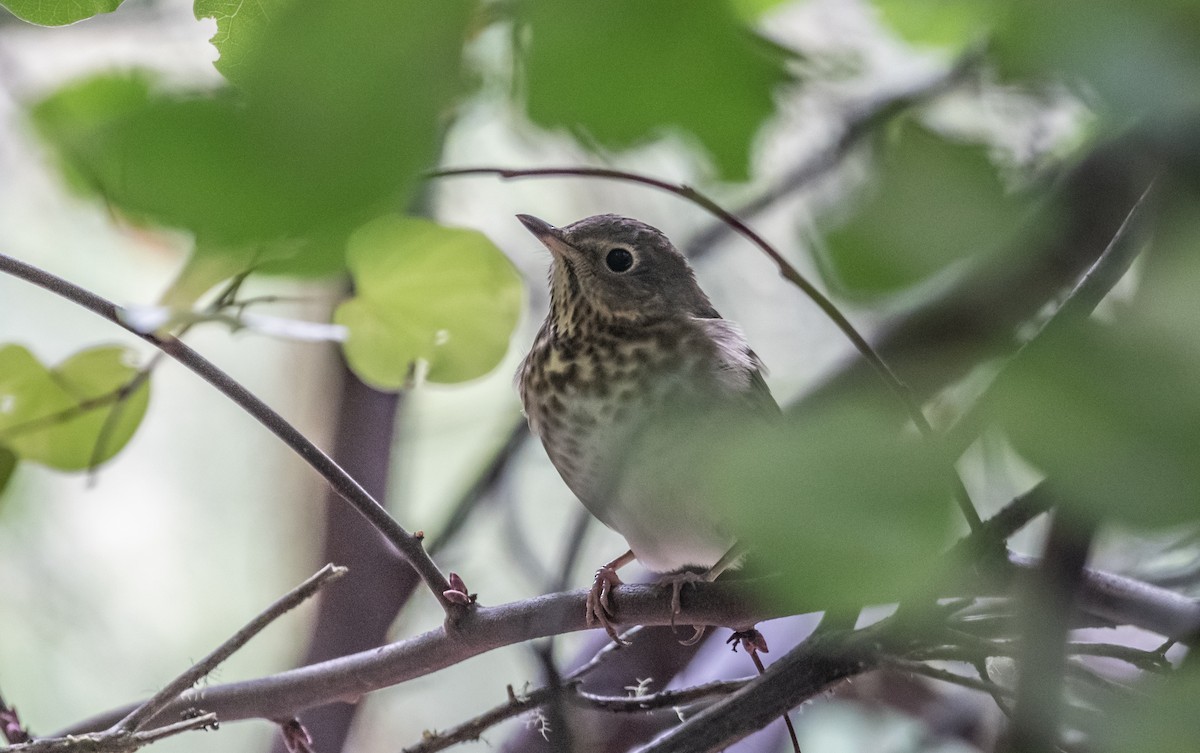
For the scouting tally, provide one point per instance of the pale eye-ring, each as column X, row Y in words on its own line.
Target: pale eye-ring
column 619, row 260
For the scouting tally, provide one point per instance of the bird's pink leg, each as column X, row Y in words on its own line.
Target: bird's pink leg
column 599, row 600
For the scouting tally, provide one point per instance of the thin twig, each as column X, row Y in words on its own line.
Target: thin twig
column 408, row 544
column 491, row 476
column 982, row 685
column 863, row 119
column 520, row 704
column 1104, row 273
column 110, row 742
column 138, row 718
column 476, row 726
column 786, row 270
column 348, row 678
column 787, row 719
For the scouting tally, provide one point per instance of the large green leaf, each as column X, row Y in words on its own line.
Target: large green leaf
column 942, row 23
column 1141, row 59
column 8, row 464
column 240, row 24
column 934, row 202
column 625, row 71
column 338, row 108
column 59, row 12
column 1112, row 415
column 61, row 417
column 1160, row 718
column 847, row 507
column 443, row 295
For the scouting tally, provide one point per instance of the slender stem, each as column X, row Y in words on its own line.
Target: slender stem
column 917, row 668
column 786, row 270
column 516, row 705
column 138, row 718
column 787, row 720
column 408, row 544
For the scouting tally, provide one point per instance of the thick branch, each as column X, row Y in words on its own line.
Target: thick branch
column 346, row 679
column 407, row 543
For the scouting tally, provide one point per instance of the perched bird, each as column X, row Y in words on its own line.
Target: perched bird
column 630, row 363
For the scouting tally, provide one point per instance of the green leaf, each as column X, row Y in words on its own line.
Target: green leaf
column 934, row 202
column 240, row 24
column 626, row 71
column 8, row 464
column 444, row 295
column 1141, row 59
column 336, row 113
column 1112, row 416
column 750, row 10
column 848, row 508
column 1161, row 718
column 61, row 417
column 58, row 12
column 941, row 23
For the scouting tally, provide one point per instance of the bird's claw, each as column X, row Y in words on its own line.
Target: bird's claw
column 751, row 640
column 600, row 608
column 677, row 581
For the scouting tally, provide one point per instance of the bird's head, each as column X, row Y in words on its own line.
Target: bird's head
column 618, row 267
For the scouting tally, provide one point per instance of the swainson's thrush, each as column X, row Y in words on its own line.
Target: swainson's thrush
column 630, row 360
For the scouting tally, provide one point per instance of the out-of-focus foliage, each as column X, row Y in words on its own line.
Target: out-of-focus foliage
column 8, row 464
column 844, row 501
column 40, row 409
column 1112, row 414
column 1136, row 59
column 934, row 202
column 625, row 71
column 240, row 25
column 444, row 295
column 58, row 12
column 1164, row 720
column 334, row 116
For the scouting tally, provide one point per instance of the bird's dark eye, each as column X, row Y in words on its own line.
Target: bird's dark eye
column 619, row 260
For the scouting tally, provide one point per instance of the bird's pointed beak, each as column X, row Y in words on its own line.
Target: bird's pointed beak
column 550, row 236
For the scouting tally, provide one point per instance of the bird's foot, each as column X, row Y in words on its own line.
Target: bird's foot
column 751, row 640
column 677, row 581
column 599, row 602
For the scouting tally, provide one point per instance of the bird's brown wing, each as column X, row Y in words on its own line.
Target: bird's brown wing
column 738, row 368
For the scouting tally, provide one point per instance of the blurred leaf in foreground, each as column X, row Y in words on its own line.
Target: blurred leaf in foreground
column 849, row 508
column 338, row 107
column 60, row 416
column 239, row 27
column 8, row 464
column 1141, row 59
column 1160, row 718
column 934, row 202
column 446, row 296
column 625, row 71
column 60, row 12
column 1112, row 415
column 940, row 23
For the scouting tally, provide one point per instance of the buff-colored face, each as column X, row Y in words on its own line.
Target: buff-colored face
column 622, row 268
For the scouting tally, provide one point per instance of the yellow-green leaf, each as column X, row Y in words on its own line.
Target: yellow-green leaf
column 73, row 416
column 58, row 12
column 446, row 296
